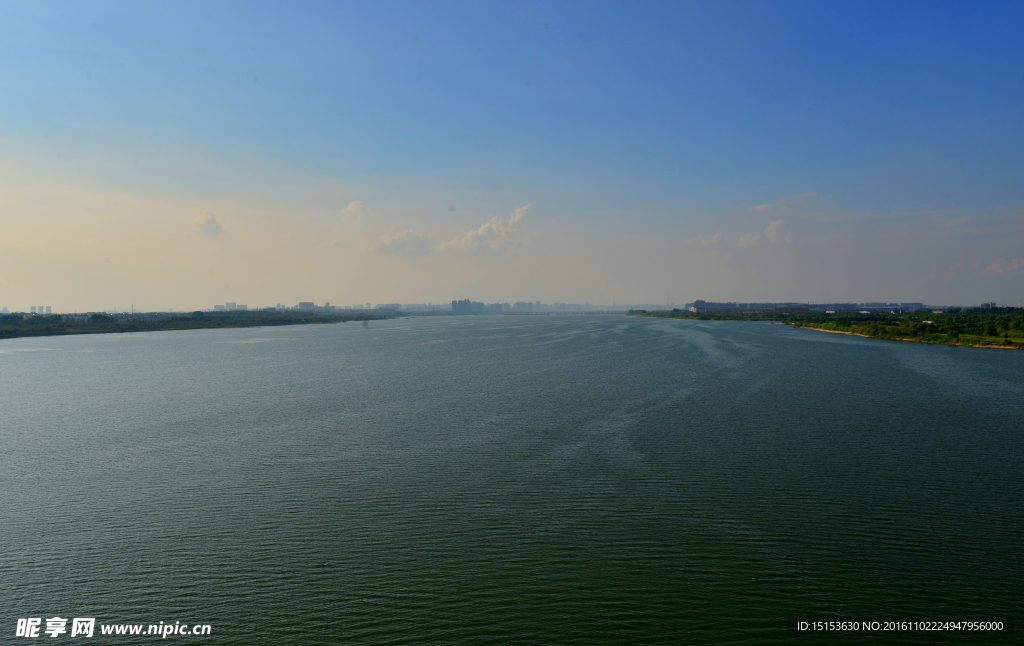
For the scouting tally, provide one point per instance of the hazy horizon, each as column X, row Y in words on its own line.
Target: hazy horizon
column 549, row 308
column 178, row 156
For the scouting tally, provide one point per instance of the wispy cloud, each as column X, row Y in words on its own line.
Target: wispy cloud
column 772, row 234
column 782, row 204
column 495, row 235
column 1002, row 266
column 406, row 243
column 354, row 212
column 207, row 225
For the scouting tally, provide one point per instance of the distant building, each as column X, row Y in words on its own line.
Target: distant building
column 390, row 307
column 32, row 309
column 48, row 310
column 307, row 305
column 230, row 306
column 242, row 307
column 700, row 306
column 468, row 307
column 218, row 308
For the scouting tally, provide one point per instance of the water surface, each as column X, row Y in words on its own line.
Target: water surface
column 510, row 479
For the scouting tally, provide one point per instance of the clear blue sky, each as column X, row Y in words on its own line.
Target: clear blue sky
column 887, row 134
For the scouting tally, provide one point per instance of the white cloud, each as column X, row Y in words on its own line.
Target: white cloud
column 491, row 236
column 354, row 212
column 1001, row 266
column 497, row 234
column 772, row 233
column 402, row 243
column 207, row 225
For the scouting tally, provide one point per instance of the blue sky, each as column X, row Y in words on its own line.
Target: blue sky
column 883, row 139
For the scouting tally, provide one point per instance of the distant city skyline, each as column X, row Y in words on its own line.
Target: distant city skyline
column 470, row 306
column 566, row 152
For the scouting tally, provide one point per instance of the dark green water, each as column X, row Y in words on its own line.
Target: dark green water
column 493, row 480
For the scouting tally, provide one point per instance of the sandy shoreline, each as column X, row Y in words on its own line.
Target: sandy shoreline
column 868, row 336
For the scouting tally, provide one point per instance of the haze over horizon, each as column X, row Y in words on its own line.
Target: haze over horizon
column 188, row 154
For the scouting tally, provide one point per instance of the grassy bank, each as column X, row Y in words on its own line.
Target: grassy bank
column 976, row 327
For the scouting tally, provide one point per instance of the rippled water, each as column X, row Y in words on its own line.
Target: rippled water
column 510, row 479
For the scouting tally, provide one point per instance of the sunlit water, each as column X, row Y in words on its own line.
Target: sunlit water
column 510, row 479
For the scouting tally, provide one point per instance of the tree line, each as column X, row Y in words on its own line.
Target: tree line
column 21, row 325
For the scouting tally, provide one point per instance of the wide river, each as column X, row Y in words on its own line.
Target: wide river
column 510, row 480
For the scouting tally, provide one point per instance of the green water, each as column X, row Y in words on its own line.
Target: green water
column 510, row 479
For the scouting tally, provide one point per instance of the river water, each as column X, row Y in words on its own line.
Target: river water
column 510, row 479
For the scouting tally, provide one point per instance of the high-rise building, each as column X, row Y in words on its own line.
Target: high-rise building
column 48, row 309
column 230, row 306
column 468, row 307
column 32, row 310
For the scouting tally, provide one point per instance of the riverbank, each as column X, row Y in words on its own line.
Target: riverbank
column 988, row 327
column 14, row 326
column 868, row 336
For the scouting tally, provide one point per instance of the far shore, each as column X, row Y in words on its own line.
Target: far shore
column 14, row 326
